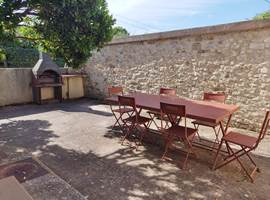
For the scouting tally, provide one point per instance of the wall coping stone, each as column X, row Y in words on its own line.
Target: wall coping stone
column 222, row 28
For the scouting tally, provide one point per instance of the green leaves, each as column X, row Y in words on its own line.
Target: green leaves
column 264, row 15
column 120, row 32
column 70, row 29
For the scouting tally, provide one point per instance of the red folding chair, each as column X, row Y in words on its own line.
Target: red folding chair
column 246, row 144
column 156, row 114
column 217, row 97
column 116, row 110
column 167, row 91
column 135, row 121
column 175, row 131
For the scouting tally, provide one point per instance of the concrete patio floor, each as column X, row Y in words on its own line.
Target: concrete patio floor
column 75, row 141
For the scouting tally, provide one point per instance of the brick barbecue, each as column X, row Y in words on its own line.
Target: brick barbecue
column 46, row 74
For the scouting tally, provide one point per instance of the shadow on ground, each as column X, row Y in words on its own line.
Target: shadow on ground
column 30, row 134
column 31, row 109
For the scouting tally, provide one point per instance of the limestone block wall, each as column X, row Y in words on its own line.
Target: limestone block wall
column 234, row 58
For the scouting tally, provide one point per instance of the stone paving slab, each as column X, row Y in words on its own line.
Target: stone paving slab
column 48, row 186
column 51, row 187
column 75, row 141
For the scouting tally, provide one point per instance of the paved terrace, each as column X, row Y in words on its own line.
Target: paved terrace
column 75, row 141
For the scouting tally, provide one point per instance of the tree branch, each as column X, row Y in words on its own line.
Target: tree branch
column 24, row 25
column 28, row 38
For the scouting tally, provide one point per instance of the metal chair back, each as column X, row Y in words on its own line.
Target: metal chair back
column 211, row 96
column 174, row 114
column 167, row 91
column 112, row 91
column 264, row 128
column 128, row 102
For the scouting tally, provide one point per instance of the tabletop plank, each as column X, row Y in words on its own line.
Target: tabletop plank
column 200, row 110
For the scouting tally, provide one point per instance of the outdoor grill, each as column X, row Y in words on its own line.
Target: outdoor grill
column 46, row 74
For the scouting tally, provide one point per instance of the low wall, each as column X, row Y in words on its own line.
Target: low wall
column 234, row 58
column 15, row 87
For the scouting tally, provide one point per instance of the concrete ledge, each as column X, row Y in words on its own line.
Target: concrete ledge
column 223, row 28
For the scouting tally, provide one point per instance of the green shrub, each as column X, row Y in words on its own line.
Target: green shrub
column 18, row 57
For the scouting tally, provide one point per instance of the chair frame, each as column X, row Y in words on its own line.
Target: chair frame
column 244, row 150
column 117, row 90
column 167, row 91
column 215, row 96
column 219, row 97
column 125, row 101
column 152, row 115
column 174, row 112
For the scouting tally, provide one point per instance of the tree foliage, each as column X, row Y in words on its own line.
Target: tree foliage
column 70, row 29
column 120, row 32
column 264, row 15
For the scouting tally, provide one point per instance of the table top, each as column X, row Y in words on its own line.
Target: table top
column 200, row 110
column 11, row 189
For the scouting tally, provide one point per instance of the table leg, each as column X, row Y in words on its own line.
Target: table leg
column 224, row 131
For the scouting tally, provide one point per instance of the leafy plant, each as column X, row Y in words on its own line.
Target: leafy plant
column 264, row 15
column 120, row 32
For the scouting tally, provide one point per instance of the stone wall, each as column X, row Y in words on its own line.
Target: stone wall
column 234, row 58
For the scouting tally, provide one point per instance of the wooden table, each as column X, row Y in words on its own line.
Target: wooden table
column 208, row 111
column 11, row 189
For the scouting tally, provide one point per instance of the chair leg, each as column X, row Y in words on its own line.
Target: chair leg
column 142, row 134
column 189, row 148
column 129, row 130
column 231, row 153
column 167, row 125
column 168, row 143
column 216, row 134
column 197, row 133
column 184, row 166
column 243, row 167
column 117, row 120
column 251, row 160
column 234, row 156
column 152, row 117
column 216, row 156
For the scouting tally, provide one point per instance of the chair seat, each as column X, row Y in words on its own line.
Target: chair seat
column 240, row 139
column 123, row 110
column 141, row 119
column 180, row 131
column 204, row 123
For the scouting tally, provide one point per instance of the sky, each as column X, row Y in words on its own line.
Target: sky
column 148, row 16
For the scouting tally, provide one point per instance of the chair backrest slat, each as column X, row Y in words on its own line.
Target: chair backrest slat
column 113, row 91
column 211, row 96
column 167, row 91
column 126, row 101
column 173, row 112
column 264, row 128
